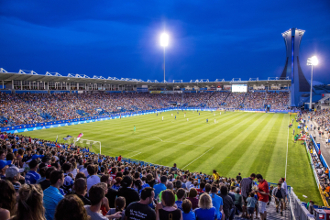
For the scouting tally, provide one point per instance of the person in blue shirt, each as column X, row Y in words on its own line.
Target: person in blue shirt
column 32, row 176
column 68, row 181
column 161, row 186
column 216, row 201
column 187, row 213
column 52, row 195
column 180, row 196
column 206, row 211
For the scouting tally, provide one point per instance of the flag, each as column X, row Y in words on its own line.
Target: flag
column 67, row 137
column 56, row 139
column 79, row 136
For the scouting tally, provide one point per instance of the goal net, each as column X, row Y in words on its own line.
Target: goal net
column 94, row 146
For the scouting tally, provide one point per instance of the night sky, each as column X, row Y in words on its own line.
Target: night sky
column 213, row 39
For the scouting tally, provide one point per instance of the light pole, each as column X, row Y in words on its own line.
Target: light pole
column 312, row 61
column 164, row 43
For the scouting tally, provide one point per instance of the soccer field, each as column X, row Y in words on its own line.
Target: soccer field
column 236, row 142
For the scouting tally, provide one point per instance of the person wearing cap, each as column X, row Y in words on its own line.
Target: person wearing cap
column 3, row 167
column 32, row 176
column 13, row 175
column 127, row 192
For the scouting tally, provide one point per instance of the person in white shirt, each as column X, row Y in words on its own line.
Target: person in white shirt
column 92, row 179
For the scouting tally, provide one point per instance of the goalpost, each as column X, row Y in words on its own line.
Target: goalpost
column 89, row 142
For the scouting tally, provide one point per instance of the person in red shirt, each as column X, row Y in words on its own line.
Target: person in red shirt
column 119, row 158
column 263, row 196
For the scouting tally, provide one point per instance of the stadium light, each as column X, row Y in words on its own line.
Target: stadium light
column 164, row 39
column 312, row 61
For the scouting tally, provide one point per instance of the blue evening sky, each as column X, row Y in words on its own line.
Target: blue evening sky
column 212, row 39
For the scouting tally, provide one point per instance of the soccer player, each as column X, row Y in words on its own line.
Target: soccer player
column 207, row 120
column 162, row 118
column 220, row 113
column 215, row 121
column 184, row 114
column 134, row 128
column 187, row 119
column 199, row 113
column 175, row 117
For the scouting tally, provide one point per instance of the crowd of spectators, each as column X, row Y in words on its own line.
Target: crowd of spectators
column 46, row 180
column 254, row 100
column 235, row 100
column 36, row 108
column 277, row 100
column 321, row 118
column 321, row 171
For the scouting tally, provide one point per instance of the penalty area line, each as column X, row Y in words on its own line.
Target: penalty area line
column 136, row 154
column 197, row 158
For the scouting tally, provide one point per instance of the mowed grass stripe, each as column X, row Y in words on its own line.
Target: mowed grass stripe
column 219, row 150
column 229, row 141
column 262, row 157
column 244, row 163
column 276, row 168
column 195, row 149
column 299, row 172
column 240, row 146
column 162, row 146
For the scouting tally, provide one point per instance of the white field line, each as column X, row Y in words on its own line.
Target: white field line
column 287, row 150
column 197, row 158
column 135, row 154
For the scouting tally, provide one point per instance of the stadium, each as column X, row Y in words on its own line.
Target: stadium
column 78, row 146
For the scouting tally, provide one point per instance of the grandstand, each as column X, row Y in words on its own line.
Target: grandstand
column 235, row 138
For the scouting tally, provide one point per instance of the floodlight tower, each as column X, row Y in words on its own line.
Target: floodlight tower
column 312, row 61
column 164, row 38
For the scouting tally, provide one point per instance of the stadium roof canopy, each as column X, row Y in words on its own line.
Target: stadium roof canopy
column 24, row 75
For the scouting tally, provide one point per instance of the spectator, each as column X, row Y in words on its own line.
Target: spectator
column 112, row 193
column 52, row 195
column 127, row 192
column 3, row 167
column 187, row 213
column 279, row 196
column 217, row 201
column 166, row 209
column 180, row 196
column 30, row 203
column 71, row 208
column 141, row 210
column 193, row 198
column 13, row 175
column 93, row 178
column 7, row 199
column 238, row 201
column 206, row 211
column 246, row 188
column 120, row 204
column 251, row 205
column 228, row 203
column 263, row 191
column 46, row 183
column 96, row 195
column 32, row 176
column 174, row 168
column 80, row 188
column 161, row 186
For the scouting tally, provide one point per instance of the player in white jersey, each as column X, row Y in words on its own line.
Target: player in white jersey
column 162, row 118
column 187, row 119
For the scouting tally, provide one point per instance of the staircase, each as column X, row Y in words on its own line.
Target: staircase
column 272, row 214
column 263, row 103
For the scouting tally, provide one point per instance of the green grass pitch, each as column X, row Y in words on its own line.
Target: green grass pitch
column 237, row 142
